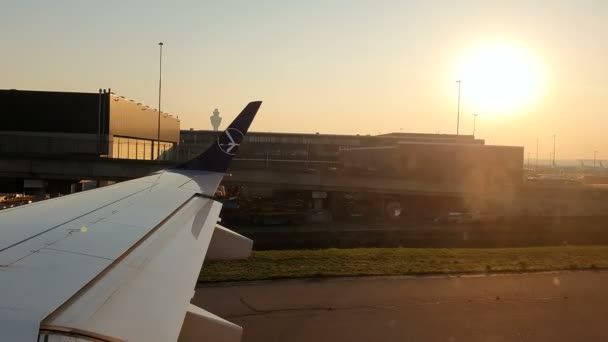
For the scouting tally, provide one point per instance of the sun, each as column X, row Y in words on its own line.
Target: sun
column 499, row 79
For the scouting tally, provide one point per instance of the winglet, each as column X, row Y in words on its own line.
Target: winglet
column 217, row 157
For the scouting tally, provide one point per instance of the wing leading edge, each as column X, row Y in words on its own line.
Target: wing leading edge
column 104, row 269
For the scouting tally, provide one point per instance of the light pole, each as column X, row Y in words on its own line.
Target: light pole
column 554, row 136
column 160, row 85
column 536, row 154
column 458, row 111
column 594, row 158
column 474, row 120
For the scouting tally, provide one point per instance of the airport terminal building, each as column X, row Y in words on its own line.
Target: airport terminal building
column 48, row 138
column 101, row 124
column 293, row 177
column 432, row 158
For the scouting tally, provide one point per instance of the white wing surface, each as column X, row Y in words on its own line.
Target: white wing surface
column 118, row 263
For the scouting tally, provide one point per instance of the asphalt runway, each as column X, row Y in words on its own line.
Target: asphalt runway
column 566, row 306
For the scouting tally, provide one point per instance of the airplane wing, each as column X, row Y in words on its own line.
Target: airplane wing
column 118, row 263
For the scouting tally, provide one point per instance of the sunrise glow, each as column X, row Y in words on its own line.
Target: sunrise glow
column 500, row 79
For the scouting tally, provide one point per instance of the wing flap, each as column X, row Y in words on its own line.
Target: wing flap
column 228, row 245
column 201, row 325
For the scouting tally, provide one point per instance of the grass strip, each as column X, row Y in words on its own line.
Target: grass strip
column 403, row 261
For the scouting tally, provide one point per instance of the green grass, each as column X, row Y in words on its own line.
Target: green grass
column 403, row 261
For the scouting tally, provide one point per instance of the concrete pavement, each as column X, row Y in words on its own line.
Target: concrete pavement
column 566, row 306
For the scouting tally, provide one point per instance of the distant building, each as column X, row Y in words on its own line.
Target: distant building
column 103, row 124
column 430, row 158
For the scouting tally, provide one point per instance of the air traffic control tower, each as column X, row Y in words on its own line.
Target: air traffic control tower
column 216, row 120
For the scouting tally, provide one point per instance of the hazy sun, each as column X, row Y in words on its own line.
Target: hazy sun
column 499, row 79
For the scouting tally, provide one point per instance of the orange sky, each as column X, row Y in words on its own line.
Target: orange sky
column 362, row 67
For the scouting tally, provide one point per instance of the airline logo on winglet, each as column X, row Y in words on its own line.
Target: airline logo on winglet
column 230, row 140
column 218, row 156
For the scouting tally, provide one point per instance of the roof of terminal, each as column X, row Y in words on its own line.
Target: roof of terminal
column 425, row 137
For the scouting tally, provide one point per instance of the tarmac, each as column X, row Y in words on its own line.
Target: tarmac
column 560, row 306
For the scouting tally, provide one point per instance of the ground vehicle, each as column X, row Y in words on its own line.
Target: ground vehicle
column 15, row 200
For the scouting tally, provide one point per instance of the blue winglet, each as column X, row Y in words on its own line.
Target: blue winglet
column 217, row 157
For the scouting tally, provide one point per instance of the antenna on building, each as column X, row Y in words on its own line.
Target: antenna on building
column 216, row 119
